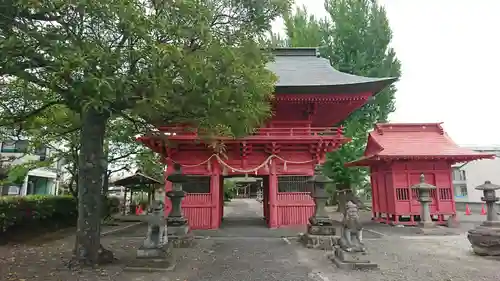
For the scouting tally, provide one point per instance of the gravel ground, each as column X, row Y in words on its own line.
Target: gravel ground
column 413, row 258
column 265, row 259
column 259, row 257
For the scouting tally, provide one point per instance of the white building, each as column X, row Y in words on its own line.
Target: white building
column 42, row 180
column 470, row 175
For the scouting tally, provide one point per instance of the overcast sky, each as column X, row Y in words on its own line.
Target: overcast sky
column 449, row 50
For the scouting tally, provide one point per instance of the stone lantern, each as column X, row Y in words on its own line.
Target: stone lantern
column 485, row 238
column 178, row 228
column 424, row 196
column 320, row 196
column 320, row 231
column 489, row 197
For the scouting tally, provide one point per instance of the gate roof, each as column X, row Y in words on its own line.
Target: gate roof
column 302, row 70
column 417, row 141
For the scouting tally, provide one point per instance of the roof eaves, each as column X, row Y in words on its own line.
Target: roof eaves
column 373, row 139
column 464, row 157
column 363, row 161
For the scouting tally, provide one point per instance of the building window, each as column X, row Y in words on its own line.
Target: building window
column 42, row 152
column 20, row 146
column 461, row 191
column 458, row 175
column 294, row 184
column 197, row 184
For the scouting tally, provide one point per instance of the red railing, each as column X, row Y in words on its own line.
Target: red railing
column 280, row 131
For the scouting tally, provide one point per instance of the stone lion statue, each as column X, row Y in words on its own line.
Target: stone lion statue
column 352, row 230
column 156, row 235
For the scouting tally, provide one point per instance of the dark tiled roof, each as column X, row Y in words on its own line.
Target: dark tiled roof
column 302, row 67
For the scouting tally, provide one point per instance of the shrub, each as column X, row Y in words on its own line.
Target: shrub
column 229, row 190
column 16, row 211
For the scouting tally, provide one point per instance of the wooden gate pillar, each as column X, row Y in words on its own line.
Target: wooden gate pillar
column 273, row 190
column 215, row 190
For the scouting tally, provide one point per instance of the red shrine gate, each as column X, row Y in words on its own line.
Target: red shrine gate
column 311, row 96
column 397, row 155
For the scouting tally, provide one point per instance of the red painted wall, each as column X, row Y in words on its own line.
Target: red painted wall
column 204, row 211
column 392, row 195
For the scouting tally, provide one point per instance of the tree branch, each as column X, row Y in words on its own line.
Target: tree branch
column 122, row 157
column 19, row 119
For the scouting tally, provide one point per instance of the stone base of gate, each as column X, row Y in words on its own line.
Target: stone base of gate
column 180, row 236
column 320, row 242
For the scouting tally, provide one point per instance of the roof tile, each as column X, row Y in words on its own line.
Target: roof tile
column 417, row 140
column 303, row 67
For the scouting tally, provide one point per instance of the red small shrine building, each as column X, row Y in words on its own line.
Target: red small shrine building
column 397, row 154
column 310, row 98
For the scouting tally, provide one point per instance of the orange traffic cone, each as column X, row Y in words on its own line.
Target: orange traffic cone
column 483, row 211
column 467, row 210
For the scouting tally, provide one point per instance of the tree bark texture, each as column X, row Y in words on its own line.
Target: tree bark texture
column 342, row 193
column 90, row 180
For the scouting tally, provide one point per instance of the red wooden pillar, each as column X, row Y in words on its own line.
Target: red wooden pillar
column 168, row 186
column 273, row 190
column 221, row 199
column 373, row 179
column 394, row 213
column 215, row 190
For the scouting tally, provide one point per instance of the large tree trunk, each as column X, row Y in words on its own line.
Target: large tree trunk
column 90, row 163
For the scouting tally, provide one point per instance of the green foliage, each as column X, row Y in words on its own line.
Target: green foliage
column 229, row 190
column 150, row 163
column 355, row 37
column 35, row 209
column 134, row 61
column 180, row 61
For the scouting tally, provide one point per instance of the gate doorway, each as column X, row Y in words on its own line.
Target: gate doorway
column 244, row 201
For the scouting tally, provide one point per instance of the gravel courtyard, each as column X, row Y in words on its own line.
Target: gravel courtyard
column 257, row 258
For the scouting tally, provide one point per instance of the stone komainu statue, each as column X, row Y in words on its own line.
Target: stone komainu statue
column 352, row 230
column 156, row 235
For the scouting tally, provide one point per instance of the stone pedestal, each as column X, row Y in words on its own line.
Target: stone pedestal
column 178, row 232
column 180, row 236
column 485, row 239
column 321, row 237
column 351, row 260
column 153, row 259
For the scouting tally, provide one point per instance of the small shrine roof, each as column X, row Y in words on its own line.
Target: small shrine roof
column 137, row 181
column 417, row 141
column 303, row 70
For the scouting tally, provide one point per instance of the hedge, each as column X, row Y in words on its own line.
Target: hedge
column 32, row 210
